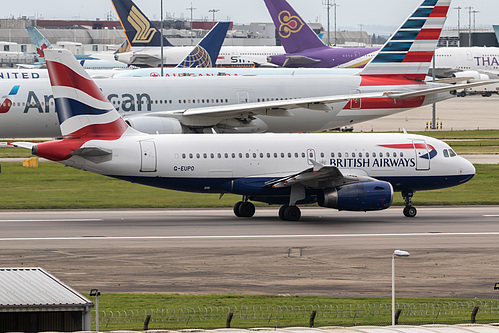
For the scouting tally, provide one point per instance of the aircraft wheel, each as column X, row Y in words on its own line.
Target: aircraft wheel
column 292, row 213
column 281, row 212
column 410, row 211
column 236, row 209
column 246, row 209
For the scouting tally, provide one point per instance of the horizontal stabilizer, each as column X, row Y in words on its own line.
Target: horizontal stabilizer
column 91, row 151
column 294, row 61
column 26, row 145
column 437, row 90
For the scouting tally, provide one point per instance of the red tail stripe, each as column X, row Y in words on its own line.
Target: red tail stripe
column 110, row 131
column 429, row 34
column 418, row 56
column 392, row 79
column 439, row 11
column 61, row 75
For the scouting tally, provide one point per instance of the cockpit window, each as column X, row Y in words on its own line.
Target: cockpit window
column 446, row 153
column 452, row 153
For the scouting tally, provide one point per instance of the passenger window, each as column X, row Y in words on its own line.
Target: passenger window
column 374, row 154
column 240, row 155
column 322, row 155
column 394, row 154
column 268, row 155
column 275, row 155
column 219, row 155
column 247, row 155
column 367, row 155
column 401, row 154
column 303, row 155
column 261, row 155
column 289, row 155
column 254, row 155
column 190, row 155
column 205, row 155
column 346, row 155
column 360, row 154
column 183, row 156
column 226, row 155
column 339, row 155
column 233, row 155
column 332, row 155
column 212, row 155
column 353, row 154
column 380, row 154
column 296, row 155
column 282, row 155
column 197, row 155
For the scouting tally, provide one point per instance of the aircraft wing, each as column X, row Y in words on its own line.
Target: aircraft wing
column 26, row 145
column 299, row 61
column 271, row 108
column 319, row 176
column 425, row 92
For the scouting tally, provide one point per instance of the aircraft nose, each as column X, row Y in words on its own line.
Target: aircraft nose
column 466, row 168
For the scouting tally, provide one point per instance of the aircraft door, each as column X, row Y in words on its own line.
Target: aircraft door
column 311, row 156
column 242, row 97
column 148, row 156
column 356, row 103
column 422, row 155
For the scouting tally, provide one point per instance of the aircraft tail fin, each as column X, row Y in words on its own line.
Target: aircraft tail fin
column 124, row 47
column 39, row 41
column 84, row 112
column 409, row 52
column 138, row 29
column 294, row 33
column 205, row 54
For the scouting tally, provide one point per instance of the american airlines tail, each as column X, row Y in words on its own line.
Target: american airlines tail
column 205, row 54
column 294, row 33
column 409, row 52
column 138, row 29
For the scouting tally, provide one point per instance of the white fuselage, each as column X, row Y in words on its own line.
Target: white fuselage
column 481, row 59
column 32, row 113
column 242, row 163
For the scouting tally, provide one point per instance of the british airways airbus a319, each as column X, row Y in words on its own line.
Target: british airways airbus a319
column 354, row 172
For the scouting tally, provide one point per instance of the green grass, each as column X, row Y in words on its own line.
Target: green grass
column 53, row 186
column 271, row 311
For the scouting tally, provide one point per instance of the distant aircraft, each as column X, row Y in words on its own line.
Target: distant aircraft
column 354, row 172
column 145, row 41
column 303, row 47
column 97, row 61
column 391, row 83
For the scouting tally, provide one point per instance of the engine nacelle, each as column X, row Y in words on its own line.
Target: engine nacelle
column 362, row 196
column 155, row 125
column 473, row 74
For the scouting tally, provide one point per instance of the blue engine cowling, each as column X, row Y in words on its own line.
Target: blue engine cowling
column 362, row 196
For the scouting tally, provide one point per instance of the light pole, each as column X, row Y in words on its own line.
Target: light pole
column 470, row 10
column 191, row 9
column 459, row 23
column 396, row 253
column 214, row 11
column 96, row 293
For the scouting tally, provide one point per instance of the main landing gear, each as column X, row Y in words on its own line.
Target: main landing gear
column 244, row 208
column 409, row 210
column 289, row 213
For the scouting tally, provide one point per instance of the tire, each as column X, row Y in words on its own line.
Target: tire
column 281, row 212
column 246, row 209
column 410, row 211
column 292, row 213
column 236, row 208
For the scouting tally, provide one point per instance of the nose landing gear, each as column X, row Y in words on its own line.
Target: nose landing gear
column 409, row 210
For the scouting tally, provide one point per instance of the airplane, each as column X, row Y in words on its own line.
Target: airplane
column 145, row 41
column 88, row 61
column 391, row 83
column 303, row 47
column 351, row 172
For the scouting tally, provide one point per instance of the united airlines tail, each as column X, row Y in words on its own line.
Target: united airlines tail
column 205, row 54
column 409, row 52
column 138, row 29
column 294, row 33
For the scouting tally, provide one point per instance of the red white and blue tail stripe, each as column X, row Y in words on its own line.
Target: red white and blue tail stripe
column 409, row 52
column 83, row 110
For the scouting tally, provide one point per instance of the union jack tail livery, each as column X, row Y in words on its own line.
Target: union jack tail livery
column 83, row 110
column 409, row 52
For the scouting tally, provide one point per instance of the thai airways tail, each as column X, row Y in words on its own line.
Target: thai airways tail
column 409, row 52
column 138, row 29
column 294, row 33
column 39, row 42
column 205, row 54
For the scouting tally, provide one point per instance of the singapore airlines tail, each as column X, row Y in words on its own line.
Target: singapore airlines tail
column 138, row 29
column 409, row 52
column 294, row 33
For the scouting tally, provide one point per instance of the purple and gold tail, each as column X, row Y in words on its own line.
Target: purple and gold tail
column 409, row 52
column 83, row 110
column 294, row 33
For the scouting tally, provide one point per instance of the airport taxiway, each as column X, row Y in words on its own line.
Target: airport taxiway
column 454, row 251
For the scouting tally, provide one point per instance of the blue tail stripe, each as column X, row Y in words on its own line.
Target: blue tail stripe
column 67, row 108
column 406, row 35
column 414, row 24
column 398, row 46
column 422, row 12
column 389, row 57
column 430, row 3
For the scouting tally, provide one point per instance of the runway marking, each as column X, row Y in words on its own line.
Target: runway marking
column 490, row 215
column 54, row 220
column 247, row 236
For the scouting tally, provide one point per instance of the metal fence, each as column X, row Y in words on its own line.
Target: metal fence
column 346, row 315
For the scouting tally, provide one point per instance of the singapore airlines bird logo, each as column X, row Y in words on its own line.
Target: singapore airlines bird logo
column 144, row 31
column 290, row 24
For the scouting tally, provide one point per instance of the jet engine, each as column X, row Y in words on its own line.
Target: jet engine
column 476, row 76
column 155, row 125
column 362, row 196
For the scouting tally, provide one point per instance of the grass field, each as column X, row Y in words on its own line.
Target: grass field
column 53, row 186
column 127, row 311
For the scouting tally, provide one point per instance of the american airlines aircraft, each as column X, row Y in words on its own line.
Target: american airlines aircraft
column 355, row 172
column 392, row 82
